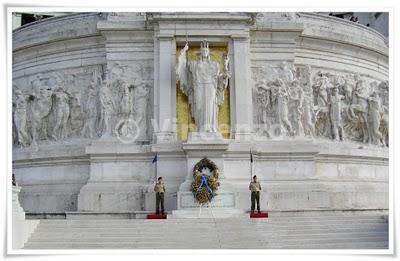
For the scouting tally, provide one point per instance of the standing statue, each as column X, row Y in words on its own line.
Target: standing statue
column 62, row 113
column 126, row 106
column 308, row 112
column 297, row 99
column 308, row 102
column 321, row 88
column 106, row 107
column 384, row 96
column 281, row 97
column 20, row 105
column 322, row 91
column 204, row 85
column 140, row 101
column 262, row 96
column 359, row 108
column 335, row 110
column 374, row 119
column 90, row 108
column 40, row 109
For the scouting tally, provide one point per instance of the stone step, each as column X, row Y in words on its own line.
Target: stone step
column 268, row 227
column 214, row 224
column 233, row 229
column 377, row 242
column 304, row 232
column 197, row 221
column 353, row 245
column 200, row 221
column 55, row 237
column 117, row 238
column 219, row 220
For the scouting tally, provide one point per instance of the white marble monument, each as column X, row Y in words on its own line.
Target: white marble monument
column 97, row 95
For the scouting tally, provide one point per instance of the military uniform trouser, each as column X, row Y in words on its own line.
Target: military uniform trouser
column 159, row 201
column 255, row 196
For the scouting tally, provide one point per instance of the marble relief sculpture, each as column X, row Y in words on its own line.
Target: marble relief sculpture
column 40, row 109
column 62, row 113
column 289, row 101
column 204, row 84
column 358, row 110
column 374, row 118
column 20, row 106
column 280, row 97
column 56, row 108
column 107, row 106
column 140, row 100
column 335, row 111
column 263, row 96
column 90, row 109
column 327, row 105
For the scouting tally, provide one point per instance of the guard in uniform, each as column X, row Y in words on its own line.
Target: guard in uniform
column 255, row 188
column 159, row 188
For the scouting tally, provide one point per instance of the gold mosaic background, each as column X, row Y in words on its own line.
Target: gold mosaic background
column 185, row 123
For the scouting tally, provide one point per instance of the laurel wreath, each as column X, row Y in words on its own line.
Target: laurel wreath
column 203, row 196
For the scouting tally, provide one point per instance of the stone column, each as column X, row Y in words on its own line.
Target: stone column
column 241, row 96
column 164, row 89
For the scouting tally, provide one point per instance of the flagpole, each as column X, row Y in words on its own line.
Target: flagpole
column 251, row 165
column 156, row 169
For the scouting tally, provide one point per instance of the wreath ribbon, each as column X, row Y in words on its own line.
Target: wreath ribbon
column 204, row 183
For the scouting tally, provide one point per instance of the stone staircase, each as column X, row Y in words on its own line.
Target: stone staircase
column 319, row 232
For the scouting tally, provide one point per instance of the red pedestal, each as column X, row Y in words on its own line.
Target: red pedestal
column 156, row 216
column 255, row 214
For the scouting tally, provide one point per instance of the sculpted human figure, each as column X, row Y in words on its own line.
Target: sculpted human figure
column 281, row 97
column 384, row 97
column 62, row 113
column 298, row 101
column 350, row 85
column 140, row 101
column 288, row 72
column 40, row 109
column 106, row 107
column 322, row 90
column 374, row 118
column 20, row 105
column 308, row 111
column 322, row 111
column 126, row 106
column 90, row 110
column 308, row 101
column 204, row 85
column 76, row 119
column 335, row 110
column 359, row 107
column 262, row 96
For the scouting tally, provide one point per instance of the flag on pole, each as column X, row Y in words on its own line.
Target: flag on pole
column 155, row 159
column 251, row 157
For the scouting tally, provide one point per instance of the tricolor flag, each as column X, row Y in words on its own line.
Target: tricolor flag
column 155, row 159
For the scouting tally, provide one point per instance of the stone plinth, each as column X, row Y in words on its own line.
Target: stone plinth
column 223, row 205
column 196, row 149
column 21, row 228
column 186, row 200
